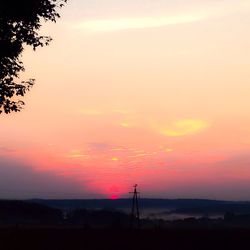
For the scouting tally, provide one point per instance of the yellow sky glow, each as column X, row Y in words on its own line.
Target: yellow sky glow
column 185, row 127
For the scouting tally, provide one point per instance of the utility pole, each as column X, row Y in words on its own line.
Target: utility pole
column 135, row 214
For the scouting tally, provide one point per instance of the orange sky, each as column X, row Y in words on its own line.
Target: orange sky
column 147, row 92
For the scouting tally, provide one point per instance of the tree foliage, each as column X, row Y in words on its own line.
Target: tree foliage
column 20, row 22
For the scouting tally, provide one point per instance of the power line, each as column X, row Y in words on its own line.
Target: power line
column 135, row 214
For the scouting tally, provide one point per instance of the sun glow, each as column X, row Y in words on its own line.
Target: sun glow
column 114, row 197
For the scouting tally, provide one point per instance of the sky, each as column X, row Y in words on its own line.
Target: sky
column 152, row 92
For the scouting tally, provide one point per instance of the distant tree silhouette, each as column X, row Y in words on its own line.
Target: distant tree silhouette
column 20, row 22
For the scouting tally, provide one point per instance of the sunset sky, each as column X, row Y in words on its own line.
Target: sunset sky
column 153, row 92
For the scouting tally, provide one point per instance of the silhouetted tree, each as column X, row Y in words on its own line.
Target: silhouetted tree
column 20, row 22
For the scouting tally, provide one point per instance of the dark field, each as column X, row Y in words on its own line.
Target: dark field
column 110, row 239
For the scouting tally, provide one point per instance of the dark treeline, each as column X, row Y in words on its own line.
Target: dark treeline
column 24, row 213
column 27, row 225
column 176, row 205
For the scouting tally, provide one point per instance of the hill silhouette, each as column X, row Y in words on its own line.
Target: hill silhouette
column 21, row 212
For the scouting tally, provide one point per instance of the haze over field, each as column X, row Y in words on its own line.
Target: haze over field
column 147, row 92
